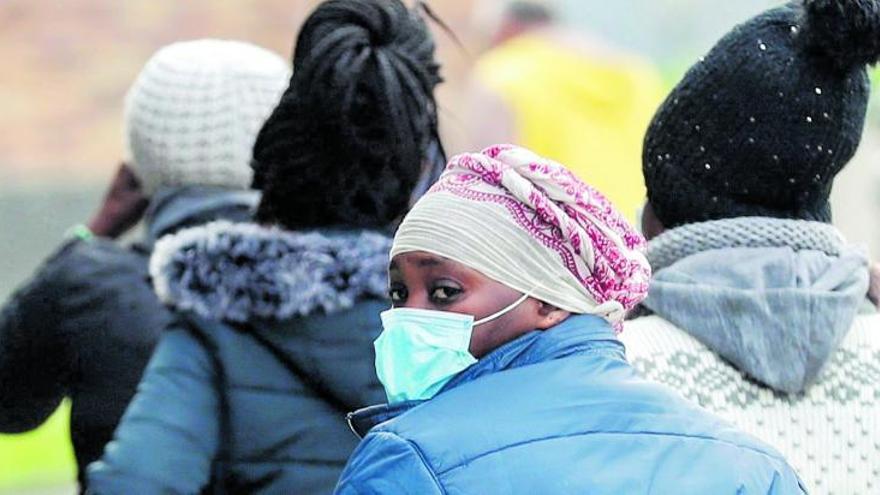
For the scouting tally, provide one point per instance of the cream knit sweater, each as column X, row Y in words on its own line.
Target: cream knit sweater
column 830, row 434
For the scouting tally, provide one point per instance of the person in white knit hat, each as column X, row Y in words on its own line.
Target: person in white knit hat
column 192, row 116
column 86, row 324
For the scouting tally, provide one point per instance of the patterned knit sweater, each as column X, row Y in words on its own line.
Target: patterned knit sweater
column 830, row 433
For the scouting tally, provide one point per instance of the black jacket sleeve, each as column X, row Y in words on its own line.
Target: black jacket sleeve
column 33, row 360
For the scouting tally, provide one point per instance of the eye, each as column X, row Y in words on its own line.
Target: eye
column 397, row 294
column 444, row 294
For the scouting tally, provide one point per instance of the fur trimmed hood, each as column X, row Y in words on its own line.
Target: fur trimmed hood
column 236, row 272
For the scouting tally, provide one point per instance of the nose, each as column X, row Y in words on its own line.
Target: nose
column 417, row 300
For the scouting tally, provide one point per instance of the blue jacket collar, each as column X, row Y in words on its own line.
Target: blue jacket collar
column 576, row 335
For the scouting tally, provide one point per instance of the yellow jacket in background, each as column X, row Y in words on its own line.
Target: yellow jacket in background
column 588, row 113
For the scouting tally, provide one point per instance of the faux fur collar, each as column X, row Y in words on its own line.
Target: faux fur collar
column 241, row 271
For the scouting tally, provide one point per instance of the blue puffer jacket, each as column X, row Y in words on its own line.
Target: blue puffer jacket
column 289, row 320
column 558, row 412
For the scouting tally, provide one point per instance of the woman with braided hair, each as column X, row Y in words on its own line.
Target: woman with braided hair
column 272, row 344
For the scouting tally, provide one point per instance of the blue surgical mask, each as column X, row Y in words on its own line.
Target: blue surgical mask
column 420, row 350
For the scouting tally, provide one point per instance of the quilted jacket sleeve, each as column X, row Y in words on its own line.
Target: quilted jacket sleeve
column 386, row 463
column 168, row 437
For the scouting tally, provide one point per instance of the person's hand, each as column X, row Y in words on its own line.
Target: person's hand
column 123, row 206
column 874, row 286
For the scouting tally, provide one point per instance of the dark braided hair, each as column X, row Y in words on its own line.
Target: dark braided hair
column 347, row 143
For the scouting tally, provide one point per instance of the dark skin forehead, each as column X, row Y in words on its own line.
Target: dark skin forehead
column 421, row 274
column 427, row 263
column 428, row 268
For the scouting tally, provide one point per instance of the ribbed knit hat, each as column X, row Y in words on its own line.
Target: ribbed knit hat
column 194, row 111
column 764, row 122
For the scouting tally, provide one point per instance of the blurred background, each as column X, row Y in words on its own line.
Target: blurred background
column 68, row 65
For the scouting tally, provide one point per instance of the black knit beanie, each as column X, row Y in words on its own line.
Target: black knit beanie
column 762, row 124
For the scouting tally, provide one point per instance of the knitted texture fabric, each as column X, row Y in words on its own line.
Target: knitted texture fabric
column 763, row 123
column 830, row 434
column 744, row 232
column 194, row 111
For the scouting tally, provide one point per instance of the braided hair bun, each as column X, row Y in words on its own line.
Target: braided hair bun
column 347, row 143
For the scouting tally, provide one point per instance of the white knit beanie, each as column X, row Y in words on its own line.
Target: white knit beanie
column 193, row 114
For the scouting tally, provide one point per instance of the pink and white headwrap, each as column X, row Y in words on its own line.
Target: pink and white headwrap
column 529, row 223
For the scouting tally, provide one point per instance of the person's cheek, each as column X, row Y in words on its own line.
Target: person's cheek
column 480, row 341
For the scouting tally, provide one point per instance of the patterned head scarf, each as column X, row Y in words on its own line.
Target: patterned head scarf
column 529, row 223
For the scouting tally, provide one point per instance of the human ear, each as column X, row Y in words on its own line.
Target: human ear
column 549, row 316
column 651, row 226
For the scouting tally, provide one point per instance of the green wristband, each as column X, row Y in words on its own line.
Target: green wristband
column 79, row 231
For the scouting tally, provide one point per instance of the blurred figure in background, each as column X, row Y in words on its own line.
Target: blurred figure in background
column 274, row 345
column 760, row 305
column 86, row 324
column 564, row 94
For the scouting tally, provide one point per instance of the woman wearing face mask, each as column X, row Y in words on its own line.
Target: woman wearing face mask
column 500, row 359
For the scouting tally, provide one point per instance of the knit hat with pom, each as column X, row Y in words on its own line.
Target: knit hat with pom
column 764, row 122
column 194, row 111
